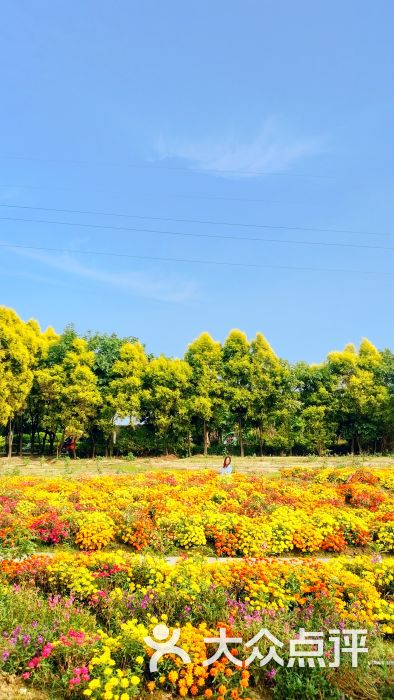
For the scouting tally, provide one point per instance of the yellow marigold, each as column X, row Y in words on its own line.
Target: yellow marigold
column 95, row 530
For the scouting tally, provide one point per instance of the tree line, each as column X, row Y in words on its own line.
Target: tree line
column 238, row 392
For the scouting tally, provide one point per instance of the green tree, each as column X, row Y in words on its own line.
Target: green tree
column 34, row 412
column 125, row 388
column 237, row 376
column 361, row 399
column 165, row 402
column 70, row 392
column 386, row 377
column 314, row 386
column 123, row 396
column 269, row 382
column 204, row 357
column 107, row 350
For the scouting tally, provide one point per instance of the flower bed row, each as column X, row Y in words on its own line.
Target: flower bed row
column 75, row 624
column 304, row 511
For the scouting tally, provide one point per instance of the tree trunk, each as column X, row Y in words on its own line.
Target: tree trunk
column 241, row 439
column 10, row 438
column 205, row 439
column 261, row 440
column 51, row 442
column 32, row 441
column 21, row 438
column 59, row 444
column 44, row 439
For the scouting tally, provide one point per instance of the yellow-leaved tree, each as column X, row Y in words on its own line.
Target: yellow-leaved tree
column 21, row 346
column 69, row 390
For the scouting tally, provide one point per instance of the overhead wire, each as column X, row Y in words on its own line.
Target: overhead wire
column 191, row 260
column 210, row 222
column 105, row 227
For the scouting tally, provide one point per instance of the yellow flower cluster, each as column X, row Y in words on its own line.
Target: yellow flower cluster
column 190, row 532
column 95, row 530
column 385, row 537
column 134, row 630
column 65, row 575
column 254, row 538
column 110, row 682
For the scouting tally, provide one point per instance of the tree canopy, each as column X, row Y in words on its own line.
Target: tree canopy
column 53, row 385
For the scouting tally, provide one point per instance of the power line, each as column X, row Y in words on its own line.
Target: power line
column 209, row 222
column 284, row 241
column 156, row 166
column 221, row 263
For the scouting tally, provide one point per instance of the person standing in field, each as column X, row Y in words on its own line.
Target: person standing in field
column 70, row 445
column 227, row 466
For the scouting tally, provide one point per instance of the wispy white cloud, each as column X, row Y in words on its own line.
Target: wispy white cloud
column 136, row 283
column 38, row 279
column 271, row 150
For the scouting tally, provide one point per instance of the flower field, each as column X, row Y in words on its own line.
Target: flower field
column 304, row 511
column 84, row 581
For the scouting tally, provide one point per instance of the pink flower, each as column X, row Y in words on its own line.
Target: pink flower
column 34, row 662
column 46, row 651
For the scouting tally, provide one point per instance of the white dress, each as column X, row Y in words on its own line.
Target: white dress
column 225, row 471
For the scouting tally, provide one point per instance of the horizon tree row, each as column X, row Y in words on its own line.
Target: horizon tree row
column 240, row 391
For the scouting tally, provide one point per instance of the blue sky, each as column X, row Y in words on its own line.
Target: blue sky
column 258, row 112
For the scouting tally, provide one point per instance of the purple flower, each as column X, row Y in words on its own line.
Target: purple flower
column 271, row 674
column 5, row 655
column 25, row 640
